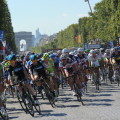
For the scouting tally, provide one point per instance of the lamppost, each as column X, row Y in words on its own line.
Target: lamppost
column 91, row 14
column 89, row 5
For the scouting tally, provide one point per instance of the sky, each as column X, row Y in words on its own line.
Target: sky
column 50, row 16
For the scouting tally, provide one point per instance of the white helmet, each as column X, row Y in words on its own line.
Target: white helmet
column 92, row 51
column 80, row 50
column 65, row 50
column 59, row 52
column 107, row 50
column 97, row 50
column 72, row 53
column 63, row 56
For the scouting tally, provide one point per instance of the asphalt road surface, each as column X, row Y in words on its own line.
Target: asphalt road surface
column 102, row 105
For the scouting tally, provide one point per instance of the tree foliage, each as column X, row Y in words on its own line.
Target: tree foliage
column 103, row 23
column 6, row 25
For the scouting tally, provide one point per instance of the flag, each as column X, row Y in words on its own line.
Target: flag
column 1, row 35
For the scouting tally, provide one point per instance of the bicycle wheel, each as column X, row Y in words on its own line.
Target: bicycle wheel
column 50, row 96
column 37, row 107
column 79, row 93
column 96, row 82
column 29, row 105
column 4, row 117
column 21, row 101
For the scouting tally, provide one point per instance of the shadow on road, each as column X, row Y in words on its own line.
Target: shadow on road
column 98, row 104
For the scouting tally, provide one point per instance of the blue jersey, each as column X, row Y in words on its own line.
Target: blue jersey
column 5, row 74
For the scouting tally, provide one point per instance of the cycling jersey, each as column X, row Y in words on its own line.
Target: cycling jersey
column 49, row 66
column 64, row 65
column 56, row 62
column 38, row 69
column 106, row 56
column 81, row 59
column 18, row 70
column 94, row 61
column 116, row 57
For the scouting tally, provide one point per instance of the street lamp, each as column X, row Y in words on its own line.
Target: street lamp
column 89, row 5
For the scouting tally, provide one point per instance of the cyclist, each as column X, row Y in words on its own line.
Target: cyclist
column 94, row 62
column 115, row 59
column 17, row 69
column 50, row 67
column 68, row 68
column 37, row 70
column 1, row 91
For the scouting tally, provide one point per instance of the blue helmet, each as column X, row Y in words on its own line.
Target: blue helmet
column 11, row 57
column 52, row 56
column 32, row 57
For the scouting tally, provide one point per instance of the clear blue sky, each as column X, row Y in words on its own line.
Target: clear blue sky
column 50, row 16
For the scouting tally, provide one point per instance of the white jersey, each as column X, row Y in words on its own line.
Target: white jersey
column 94, row 61
column 107, row 56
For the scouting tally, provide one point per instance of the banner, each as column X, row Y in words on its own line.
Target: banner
column 1, row 35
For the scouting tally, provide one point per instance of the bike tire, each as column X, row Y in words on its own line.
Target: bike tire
column 38, row 109
column 20, row 99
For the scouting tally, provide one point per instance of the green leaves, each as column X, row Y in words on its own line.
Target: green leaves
column 103, row 24
column 6, row 25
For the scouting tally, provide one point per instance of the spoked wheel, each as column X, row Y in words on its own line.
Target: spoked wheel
column 21, row 101
column 29, row 106
column 51, row 100
column 118, row 81
column 79, row 94
column 97, row 86
column 37, row 107
column 50, row 96
column 4, row 117
column 79, row 98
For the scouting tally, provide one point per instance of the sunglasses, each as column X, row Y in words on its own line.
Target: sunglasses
column 12, row 61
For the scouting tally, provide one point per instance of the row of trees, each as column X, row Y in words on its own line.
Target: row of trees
column 103, row 23
column 6, row 25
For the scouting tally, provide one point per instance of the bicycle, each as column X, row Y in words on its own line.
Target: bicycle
column 3, row 101
column 96, row 77
column 117, row 74
column 25, row 99
column 76, row 88
column 48, row 92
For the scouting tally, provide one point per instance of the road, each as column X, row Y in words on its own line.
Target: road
column 102, row 105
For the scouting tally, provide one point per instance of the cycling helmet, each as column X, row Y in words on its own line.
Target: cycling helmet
column 107, row 50
column 63, row 56
column 11, row 57
column 7, row 64
column 92, row 51
column 102, row 49
column 72, row 53
column 37, row 55
column 59, row 52
column 87, row 51
column 80, row 50
column 32, row 57
column 97, row 50
column 52, row 56
column 45, row 56
column 65, row 50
